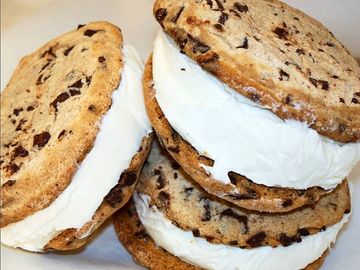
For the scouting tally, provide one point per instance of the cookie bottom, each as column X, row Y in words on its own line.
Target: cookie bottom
column 145, row 252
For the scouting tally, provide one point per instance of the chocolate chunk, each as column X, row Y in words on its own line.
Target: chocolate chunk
column 242, row 219
column 62, row 133
column 303, row 232
column 114, row 197
column 218, row 27
column 160, row 15
column 289, row 240
column 223, row 18
column 287, row 203
column 176, row 17
column 355, row 101
column 127, row 179
column 20, row 151
column 160, row 182
column 241, row 8
column 245, row 44
column 90, row 33
column 80, row 26
column 219, row 4
column 284, row 76
column 207, row 215
column 8, row 183
column 45, row 66
column 256, row 240
column 357, row 94
column 30, row 108
column 41, row 139
column 342, row 100
column 17, row 111
column 59, row 99
column 12, row 168
column 210, row 3
column 281, row 33
column 196, row 232
column 101, row 59
column 68, row 50
column 77, row 84
column 164, row 199
column 175, row 165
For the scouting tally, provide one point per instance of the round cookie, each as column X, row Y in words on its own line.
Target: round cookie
column 242, row 192
column 118, row 196
column 40, row 127
column 188, row 206
column 285, row 61
column 139, row 244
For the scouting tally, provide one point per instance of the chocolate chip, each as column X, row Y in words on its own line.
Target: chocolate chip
column 41, row 139
column 254, row 97
column 182, row 69
column 101, row 59
column 59, row 99
column 207, row 215
column 141, row 235
column 74, row 92
column 68, row 50
column 175, row 165
column 21, row 123
column 175, row 175
column 198, row 45
column 281, row 33
column 45, row 66
column 232, row 177
column 245, row 44
column 324, row 84
column 330, row 44
column 157, row 172
column 355, row 101
column 196, row 232
column 17, row 111
column 251, row 194
column 241, row 8
column 289, row 240
column 347, row 211
column 303, row 232
column 164, row 199
column 160, row 182
column 114, row 197
column 80, row 26
column 189, row 190
column 176, row 17
column 160, row 15
column 77, row 84
column 210, row 3
column 174, row 149
column 300, row 51
column 30, row 108
column 127, row 179
column 233, row 243
column 284, row 76
column 323, row 228
column 219, row 4
column 342, row 100
column 357, row 94
column 223, row 18
column 48, row 52
column 12, row 168
column 256, row 240
column 8, row 183
column 92, row 108
column 20, row 151
column 288, row 99
column 287, row 203
column 88, row 80
column 90, row 33
column 62, row 133
column 242, row 219
column 39, row 80
column 218, row 27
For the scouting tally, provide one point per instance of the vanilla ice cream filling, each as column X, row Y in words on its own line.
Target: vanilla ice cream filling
column 238, row 134
column 121, row 131
column 199, row 252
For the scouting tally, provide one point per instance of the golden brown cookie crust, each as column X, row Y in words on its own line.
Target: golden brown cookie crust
column 144, row 251
column 242, row 192
column 50, row 111
column 188, row 206
column 284, row 60
column 119, row 195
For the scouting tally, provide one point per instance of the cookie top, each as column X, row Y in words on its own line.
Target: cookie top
column 50, row 113
column 242, row 191
column 145, row 252
column 188, row 206
column 285, row 61
column 118, row 196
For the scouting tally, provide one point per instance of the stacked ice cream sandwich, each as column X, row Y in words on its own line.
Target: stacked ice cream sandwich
column 74, row 136
column 258, row 107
